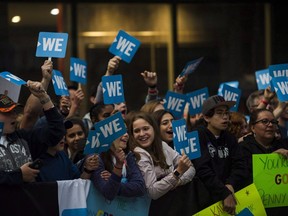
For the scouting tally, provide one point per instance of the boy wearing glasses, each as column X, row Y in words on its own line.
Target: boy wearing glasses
column 221, row 166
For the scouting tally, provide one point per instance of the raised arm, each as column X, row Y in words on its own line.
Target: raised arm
column 33, row 107
column 150, row 78
column 179, row 84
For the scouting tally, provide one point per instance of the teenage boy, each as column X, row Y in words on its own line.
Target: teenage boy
column 19, row 147
column 221, row 166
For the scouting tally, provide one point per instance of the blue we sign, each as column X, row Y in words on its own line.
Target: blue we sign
column 262, row 78
column 232, row 94
column 12, row 78
column 234, row 84
column 78, row 70
column 113, row 91
column 193, row 150
column 59, row 84
column 190, row 67
column 175, row 103
column 51, row 44
column 278, row 70
column 124, row 46
column 280, row 85
column 110, row 128
column 179, row 134
column 93, row 144
column 196, row 99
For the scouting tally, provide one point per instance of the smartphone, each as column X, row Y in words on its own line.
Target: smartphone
column 37, row 164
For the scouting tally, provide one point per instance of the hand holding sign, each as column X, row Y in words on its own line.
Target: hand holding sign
column 184, row 163
column 178, row 86
column 113, row 65
column 47, row 69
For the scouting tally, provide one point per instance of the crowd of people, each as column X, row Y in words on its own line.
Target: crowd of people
column 143, row 161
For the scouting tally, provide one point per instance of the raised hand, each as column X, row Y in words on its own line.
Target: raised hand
column 113, row 65
column 150, row 78
column 28, row 174
column 184, row 163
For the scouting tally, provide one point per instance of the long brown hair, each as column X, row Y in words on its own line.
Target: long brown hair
column 155, row 149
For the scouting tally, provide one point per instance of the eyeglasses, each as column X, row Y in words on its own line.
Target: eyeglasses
column 222, row 113
column 267, row 122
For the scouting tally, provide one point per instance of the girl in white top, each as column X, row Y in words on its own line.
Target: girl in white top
column 163, row 168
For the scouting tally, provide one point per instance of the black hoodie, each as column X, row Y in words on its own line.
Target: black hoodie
column 221, row 163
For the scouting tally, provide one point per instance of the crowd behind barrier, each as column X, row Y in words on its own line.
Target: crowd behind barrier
column 175, row 183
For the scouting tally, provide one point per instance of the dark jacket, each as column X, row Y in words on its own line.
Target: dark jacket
column 134, row 187
column 221, row 163
column 27, row 145
column 251, row 146
column 56, row 168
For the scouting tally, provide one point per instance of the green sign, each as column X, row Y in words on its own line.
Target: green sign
column 270, row 175
column 248, row 197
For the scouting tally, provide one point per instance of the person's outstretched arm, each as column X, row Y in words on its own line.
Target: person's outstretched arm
column 33, row 107
column 150, row 78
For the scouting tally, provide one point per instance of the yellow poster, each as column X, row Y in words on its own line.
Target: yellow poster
column 248, row 197
column 270, row 176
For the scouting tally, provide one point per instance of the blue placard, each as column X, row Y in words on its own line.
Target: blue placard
column 196, row 99
column 245, row 212
column 59, row 84
column 262, row 79
column 193, row 150
column 280, row 85
column 51, row 44
column 179, row 135
column 175, row 103
column 93, row 144
column 1, row 128
column 191, row 66
column 78, row 70
column 124, row 46
column 12, row 78
column 110, row 128
column 120, row 206
column 234, row 84
column 232, row 94
column 113, row 91
column 278, row 70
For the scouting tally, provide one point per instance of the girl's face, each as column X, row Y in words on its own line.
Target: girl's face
column 143, row 133
column 121, row 142
column 105, row 112
column 166, row 127
column 73, row 136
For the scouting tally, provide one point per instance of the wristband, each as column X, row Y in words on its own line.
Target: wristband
column 120, row 168
column 264, row 102
column 88, row 171
column 45, row 100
